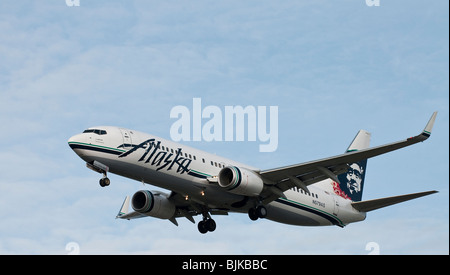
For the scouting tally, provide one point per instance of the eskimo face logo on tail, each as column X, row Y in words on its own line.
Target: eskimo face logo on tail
column 154, row 155
column 352, row 182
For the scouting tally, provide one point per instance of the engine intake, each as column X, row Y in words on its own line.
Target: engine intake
column 240, row 181
column 156, row 205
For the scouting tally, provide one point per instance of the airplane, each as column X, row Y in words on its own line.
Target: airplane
column 322, row 192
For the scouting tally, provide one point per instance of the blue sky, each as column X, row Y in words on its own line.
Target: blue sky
column 331, row 67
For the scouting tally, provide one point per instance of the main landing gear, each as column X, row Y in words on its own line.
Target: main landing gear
column 258, row 212
column 207, row 224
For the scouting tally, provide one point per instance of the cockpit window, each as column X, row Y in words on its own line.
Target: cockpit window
column 95, row 131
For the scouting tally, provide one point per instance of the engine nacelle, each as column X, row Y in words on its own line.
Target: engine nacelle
column 240, row 181
column 156, row 205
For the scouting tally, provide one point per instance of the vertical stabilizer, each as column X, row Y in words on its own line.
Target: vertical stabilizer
column 352, row 182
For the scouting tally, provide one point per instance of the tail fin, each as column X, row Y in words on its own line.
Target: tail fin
column 352, row 183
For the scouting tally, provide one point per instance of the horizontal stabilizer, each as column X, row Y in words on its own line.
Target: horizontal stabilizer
column 370, row 205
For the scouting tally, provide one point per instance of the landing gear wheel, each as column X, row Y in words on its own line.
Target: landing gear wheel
column 260, row 212
column 202, row 227
column 206, row 225
column 210, row 224
column 252, row 214
column 104, row 182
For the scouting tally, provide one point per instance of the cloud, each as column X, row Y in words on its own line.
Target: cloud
column 331, row 68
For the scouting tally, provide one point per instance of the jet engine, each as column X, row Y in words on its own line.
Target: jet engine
column 240, row 181
column 156, row 205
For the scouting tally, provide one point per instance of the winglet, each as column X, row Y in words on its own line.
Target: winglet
column 124, row 209
column 426, row 133
column 429, row 127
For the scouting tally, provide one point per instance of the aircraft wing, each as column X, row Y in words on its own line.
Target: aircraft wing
column 301, row 175
column 183, row 209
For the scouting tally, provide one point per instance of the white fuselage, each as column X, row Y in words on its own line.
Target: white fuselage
column 188, row 172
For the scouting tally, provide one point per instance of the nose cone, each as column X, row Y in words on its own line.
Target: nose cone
column 71, row 140
column 76, row 142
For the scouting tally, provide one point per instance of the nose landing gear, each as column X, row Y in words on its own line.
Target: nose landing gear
column 102, row 169
column 104, row 181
